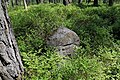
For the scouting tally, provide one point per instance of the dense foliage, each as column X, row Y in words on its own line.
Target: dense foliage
column 97, row 57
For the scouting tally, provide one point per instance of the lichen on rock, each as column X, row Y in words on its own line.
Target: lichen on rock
column 64, row 40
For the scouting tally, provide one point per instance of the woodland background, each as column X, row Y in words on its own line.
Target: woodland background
column 97, row 23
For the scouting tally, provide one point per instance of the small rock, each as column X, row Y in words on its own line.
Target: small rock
column 64, row 40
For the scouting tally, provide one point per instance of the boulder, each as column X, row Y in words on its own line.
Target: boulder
column 65, row 40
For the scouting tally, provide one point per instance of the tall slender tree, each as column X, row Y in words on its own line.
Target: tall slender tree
column 95, row 3
column 37, row 1
column 16, row 2
column 11, row 67
column 66, row 2
column 25, row 4
column 80, row 1
column 28, row 2
column 111, row 2
column 12, row 3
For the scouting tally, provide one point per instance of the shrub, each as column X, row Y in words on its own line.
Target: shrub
column 41, row 67
column 97, row 27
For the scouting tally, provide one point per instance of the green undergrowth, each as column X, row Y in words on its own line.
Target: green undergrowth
column 97, row 57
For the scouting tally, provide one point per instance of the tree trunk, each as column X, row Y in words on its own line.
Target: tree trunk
column 12, row 3
column 25, row 4
column 28, row 2
column 110, row 2
column 79, row 1
column 66, row 2
column 11, row 67
column 51, row 1
column 41, row 1
column 16, row 2
column 37, row 1
column 88, row 1
column 104, row 1
column 95, row 3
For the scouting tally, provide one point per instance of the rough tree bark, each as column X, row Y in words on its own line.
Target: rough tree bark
column 11, row 67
